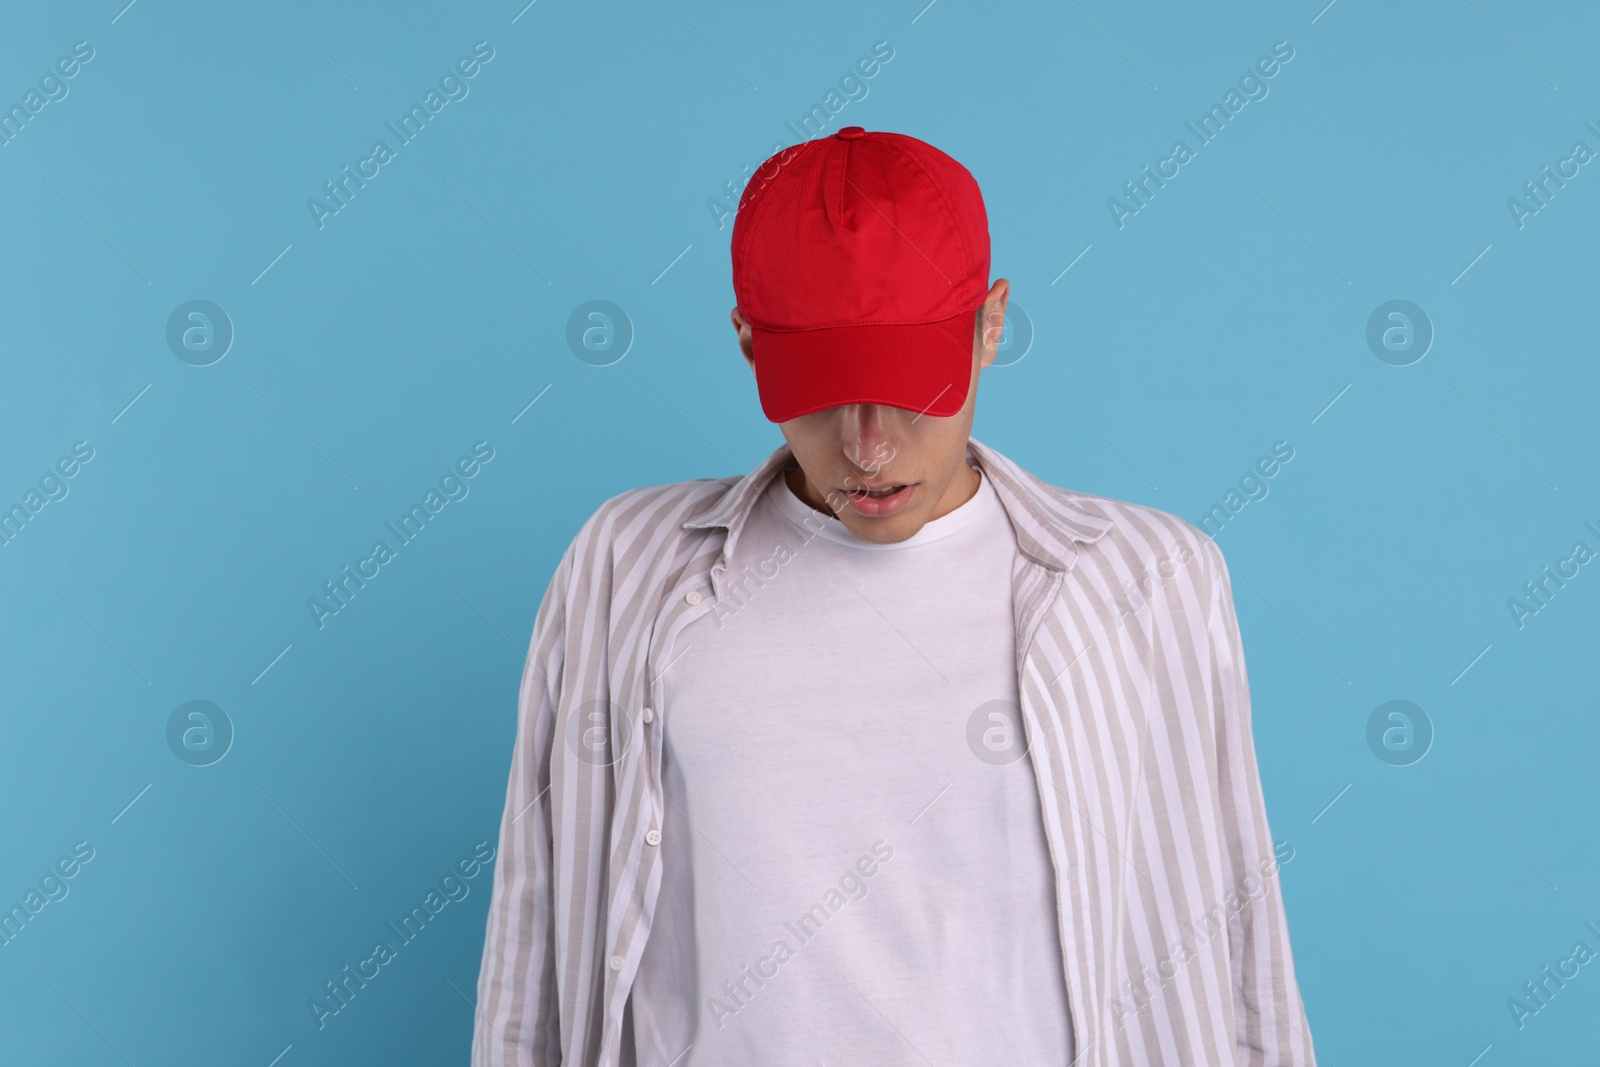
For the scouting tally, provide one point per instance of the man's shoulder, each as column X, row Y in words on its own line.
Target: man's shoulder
column 1142, row 539
column 639, row 516
column 1122, row 534
column 1139, row 527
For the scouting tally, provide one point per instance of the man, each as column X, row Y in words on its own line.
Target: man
column 886, row 752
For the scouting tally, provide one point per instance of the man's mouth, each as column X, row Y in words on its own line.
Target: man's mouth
column 879, row 502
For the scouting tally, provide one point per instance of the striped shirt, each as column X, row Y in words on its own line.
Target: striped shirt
column 1136, row 707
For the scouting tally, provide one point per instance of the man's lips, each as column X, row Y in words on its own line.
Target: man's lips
column 880, row 501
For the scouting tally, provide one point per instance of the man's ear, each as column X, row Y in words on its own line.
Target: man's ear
column 994, row 321
column 746, row 342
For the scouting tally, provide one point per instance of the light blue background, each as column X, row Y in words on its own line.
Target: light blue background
column 1224, row 317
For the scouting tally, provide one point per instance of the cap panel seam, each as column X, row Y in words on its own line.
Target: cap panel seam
column 844, row 178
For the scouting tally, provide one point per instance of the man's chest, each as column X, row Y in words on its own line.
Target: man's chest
column 836, row 684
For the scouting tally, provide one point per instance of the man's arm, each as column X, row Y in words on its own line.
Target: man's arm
column 1271, row 1023
column 517, row 1024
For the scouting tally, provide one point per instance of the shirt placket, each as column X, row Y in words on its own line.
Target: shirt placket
column 1030, row 616
column 691, row 599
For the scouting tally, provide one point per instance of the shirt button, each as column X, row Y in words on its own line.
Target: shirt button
column 616, row 963
column 652, row 837
column 649, row 715
column 693, row 597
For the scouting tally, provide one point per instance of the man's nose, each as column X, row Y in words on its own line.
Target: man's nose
column 869, row 435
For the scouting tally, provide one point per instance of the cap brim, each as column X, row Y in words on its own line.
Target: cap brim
column 922, row 367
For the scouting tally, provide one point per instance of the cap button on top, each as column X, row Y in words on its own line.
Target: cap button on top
column 850, row 133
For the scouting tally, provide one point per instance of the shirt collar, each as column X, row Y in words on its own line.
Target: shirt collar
column 1049, row 526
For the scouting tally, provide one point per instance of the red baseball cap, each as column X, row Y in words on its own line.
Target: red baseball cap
column 859, row 261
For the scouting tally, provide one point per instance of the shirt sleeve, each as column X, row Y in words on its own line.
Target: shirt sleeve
column 1270, row 1020
column 516, row 1023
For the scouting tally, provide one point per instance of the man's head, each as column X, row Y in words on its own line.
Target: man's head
column 864, row 308
column 844, row 450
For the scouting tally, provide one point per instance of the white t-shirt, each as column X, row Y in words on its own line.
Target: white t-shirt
column 854, row 867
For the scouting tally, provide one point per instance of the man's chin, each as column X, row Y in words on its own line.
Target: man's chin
column 887, row 530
